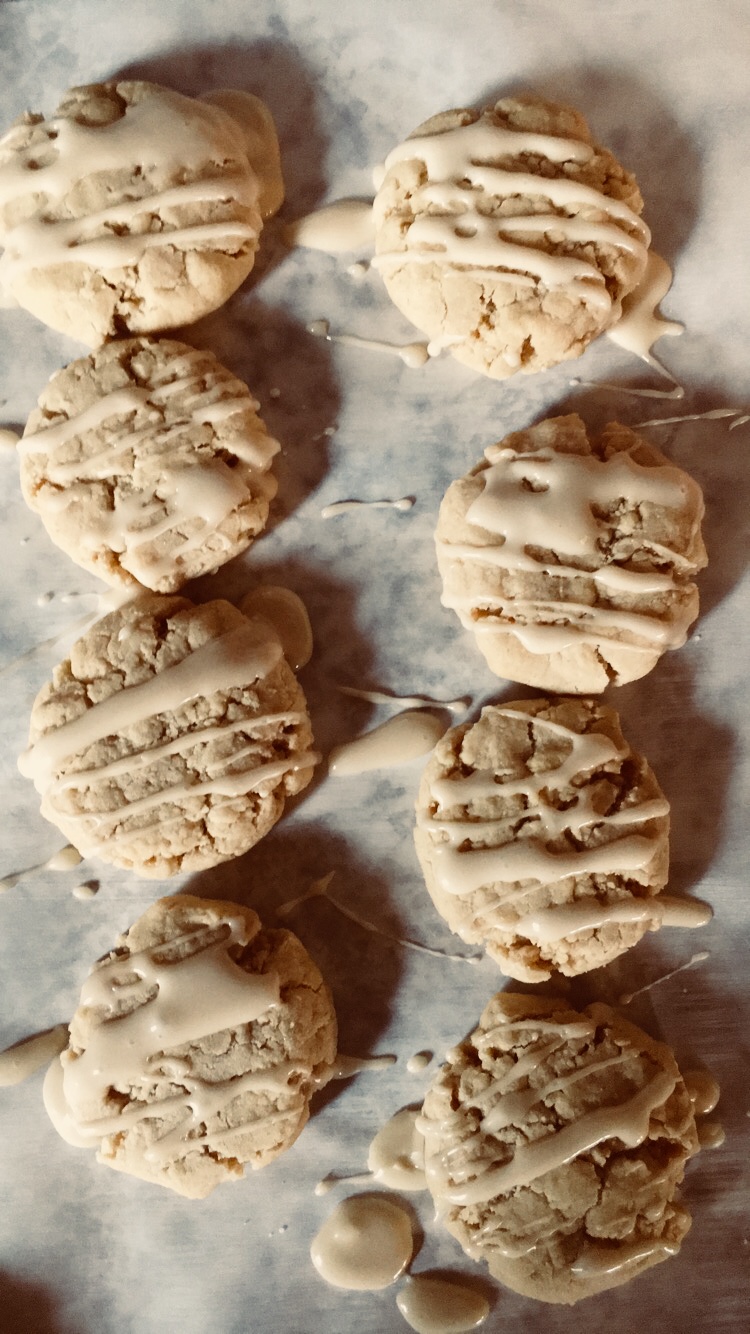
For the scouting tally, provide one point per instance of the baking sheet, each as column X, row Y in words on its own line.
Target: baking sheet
column 86, row 1251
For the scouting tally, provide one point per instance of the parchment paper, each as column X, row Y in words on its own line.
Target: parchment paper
column 87, row 1251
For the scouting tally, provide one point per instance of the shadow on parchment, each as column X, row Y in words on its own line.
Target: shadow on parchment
column 26, row 1308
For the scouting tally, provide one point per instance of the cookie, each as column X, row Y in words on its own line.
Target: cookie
column 195, row 1048
column 507, row 235
column 132, row 209
column 260, row 139
column 148, row 463
column 171, row 737
column 543, row 836
column 554, row 1145
column 572, row 559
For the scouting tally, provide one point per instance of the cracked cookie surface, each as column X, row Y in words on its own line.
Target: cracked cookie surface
column 171, row 737
column 196, row 1046
column 543, row 836
column 132, row 209
column 148, row 463
column 572, row 558
column 555, row 1142
column 507, row 235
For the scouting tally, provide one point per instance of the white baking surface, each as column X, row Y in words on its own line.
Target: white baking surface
column 88, row 1251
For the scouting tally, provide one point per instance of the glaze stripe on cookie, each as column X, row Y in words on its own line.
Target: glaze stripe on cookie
column 627, row 1121
column 202, row 736
column 157, row 133
column 224, row 785
column 207, row 403
column 239, row 656
column 455, row 231
column 544, row 502
column 461, row 870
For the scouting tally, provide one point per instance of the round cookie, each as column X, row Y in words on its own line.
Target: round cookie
column 554, row 1146
column 171, row 737
column 148, row 463
column 132, row 209
column 572, row 559
column 196, row 1046
column 543, row 836
column 507, row 235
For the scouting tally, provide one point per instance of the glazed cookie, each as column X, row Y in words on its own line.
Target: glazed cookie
column 195, row 1048
column 507, row 235
column 572, row 559
column 132, row 209
column 148, row 463
column 544, row 837
column 171, row 738
column 554, row 1145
